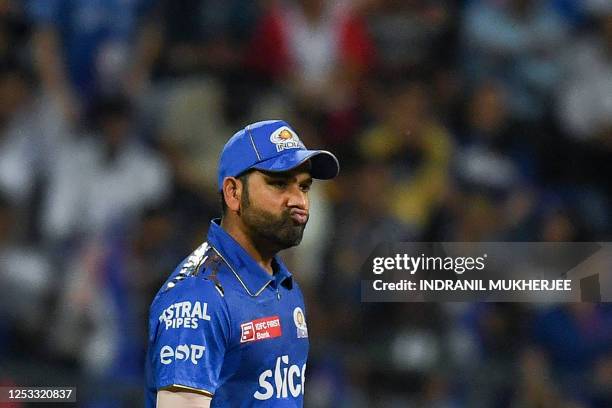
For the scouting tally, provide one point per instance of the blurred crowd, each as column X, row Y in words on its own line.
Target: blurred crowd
column 465, row 120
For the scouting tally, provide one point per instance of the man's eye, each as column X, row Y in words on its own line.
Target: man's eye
column 305, row 187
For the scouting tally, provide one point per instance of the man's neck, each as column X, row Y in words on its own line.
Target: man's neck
column 262, row 257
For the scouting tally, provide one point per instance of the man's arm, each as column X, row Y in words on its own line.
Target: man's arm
column 48, row 58
column 148, row 47
column 187, row 358
column 178, row 397
column 50, row 65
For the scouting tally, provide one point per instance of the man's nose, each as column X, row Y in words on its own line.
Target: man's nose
column 297, row 198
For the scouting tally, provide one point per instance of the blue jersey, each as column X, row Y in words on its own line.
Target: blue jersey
column 224, row 326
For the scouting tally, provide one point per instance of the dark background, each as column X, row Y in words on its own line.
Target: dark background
column 479, row 120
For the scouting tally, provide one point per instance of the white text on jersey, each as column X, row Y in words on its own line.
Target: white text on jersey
column 184, row 315
column 181, row 353
column 287, row 379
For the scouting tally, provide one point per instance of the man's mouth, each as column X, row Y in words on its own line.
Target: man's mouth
column 299, row 216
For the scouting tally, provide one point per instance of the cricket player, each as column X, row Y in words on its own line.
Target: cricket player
column 228, row 328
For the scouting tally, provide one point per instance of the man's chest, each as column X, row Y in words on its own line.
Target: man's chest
column 269, row 344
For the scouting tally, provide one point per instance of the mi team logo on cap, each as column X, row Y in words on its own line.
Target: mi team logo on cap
column 285, row 138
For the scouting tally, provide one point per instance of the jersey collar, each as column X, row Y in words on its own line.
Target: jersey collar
column 253, row 277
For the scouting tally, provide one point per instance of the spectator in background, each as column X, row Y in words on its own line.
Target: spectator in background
column 363, row 220
column 585, row 102
column 190, row 128
column 26, row 278
column 584, row 112
column 18, row 144
column 312, row 44
column 200, row 62
column 417, row 148
column 485, row 161
column 32, row 132
column 501, row 331
column 491, row 169
column 318, row 50
column 204, row 36
column 407, row 34
column 518, row 42
column 100, row 320
column 84, row 47
column 203, row 42
column 576, row 338
column 105, row 177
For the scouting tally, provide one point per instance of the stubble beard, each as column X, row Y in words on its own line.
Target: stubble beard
column 279, row 231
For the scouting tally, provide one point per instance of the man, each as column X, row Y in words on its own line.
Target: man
column 228, row 328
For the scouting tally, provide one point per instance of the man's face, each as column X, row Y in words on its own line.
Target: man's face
column 274, row 206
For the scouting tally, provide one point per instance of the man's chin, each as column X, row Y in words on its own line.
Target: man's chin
column 298, row 225
column 283, row 233
column 290, row 235
column 294, row 239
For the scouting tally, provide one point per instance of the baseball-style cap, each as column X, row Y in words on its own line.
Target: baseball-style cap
column 272, row 145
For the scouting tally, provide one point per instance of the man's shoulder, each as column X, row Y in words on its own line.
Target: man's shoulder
column 189, row 298
column 201, row 275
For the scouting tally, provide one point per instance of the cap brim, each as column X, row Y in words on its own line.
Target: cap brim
column 324, row 165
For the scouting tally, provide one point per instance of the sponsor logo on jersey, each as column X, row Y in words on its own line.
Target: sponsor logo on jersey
column 286, row 380
column 260, row 329
column 184, row 315
column 285, row 138
column 300, row 323
column 182, row 352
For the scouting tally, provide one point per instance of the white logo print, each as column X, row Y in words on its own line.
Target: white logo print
column 184, row 314
column 285, row 138
column 287, row 379
column 300, row 323
column 182, row 353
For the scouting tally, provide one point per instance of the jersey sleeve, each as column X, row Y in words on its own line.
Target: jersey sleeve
column 188, row 335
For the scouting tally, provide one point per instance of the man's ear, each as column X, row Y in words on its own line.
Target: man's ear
column 232, row 192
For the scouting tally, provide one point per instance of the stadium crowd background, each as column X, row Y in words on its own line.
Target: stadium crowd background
column 453, row 121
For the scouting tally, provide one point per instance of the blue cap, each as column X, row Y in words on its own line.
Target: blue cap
column 272, row 145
